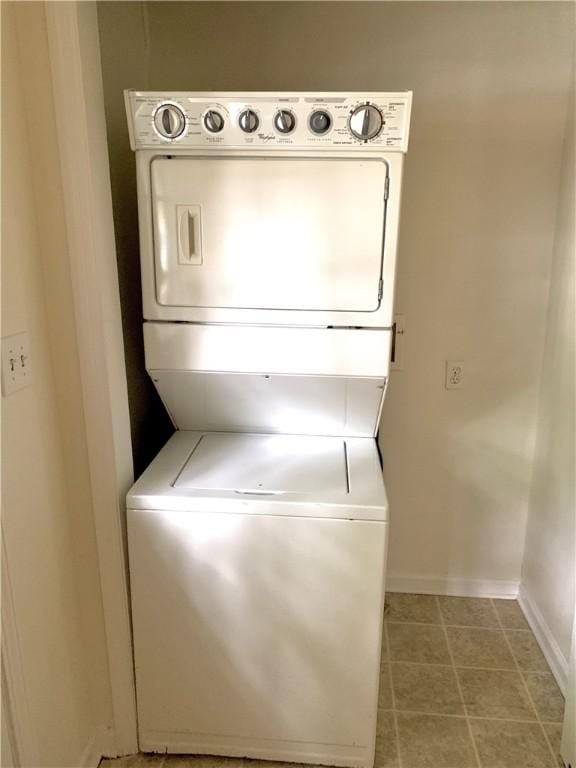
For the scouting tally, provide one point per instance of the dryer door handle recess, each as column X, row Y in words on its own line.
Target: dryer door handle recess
column 189, row 234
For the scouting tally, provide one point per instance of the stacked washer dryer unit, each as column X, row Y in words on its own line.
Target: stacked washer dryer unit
column 257, row 537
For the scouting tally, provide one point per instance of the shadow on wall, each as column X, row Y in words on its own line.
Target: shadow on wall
column 123, row 66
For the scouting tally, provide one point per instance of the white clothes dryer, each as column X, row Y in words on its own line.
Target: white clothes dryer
column 257, row 538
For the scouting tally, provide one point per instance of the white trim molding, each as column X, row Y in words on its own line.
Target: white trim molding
column 15, row 706
column 439, row 585
column 568, row 746
column 77, row 80
column 92, row 753
column 557, row 662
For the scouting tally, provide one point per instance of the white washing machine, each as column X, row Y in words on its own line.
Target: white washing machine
column 257, row 538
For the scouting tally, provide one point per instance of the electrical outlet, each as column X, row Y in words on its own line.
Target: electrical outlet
column 454, row 374
column 16, row 368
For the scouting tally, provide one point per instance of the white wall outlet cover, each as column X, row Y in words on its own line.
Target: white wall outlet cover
column 16, row 364
column 454, row 374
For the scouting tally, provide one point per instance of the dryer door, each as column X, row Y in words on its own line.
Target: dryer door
column 268, row 233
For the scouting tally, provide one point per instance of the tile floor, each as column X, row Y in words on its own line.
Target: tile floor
column 463, row 684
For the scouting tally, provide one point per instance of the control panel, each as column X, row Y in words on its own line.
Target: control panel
column 269, row 120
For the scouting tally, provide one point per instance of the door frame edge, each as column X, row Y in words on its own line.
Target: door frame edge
column 74, row 50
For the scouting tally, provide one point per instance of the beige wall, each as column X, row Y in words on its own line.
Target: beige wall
column 46, row 497
column 490, row 87
column 549, row 563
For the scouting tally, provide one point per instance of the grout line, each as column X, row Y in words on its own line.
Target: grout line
column 385, row 642
column 458, row 666
column 393, row 696
column 527, row 690
column 498, row 628
column 551, row 722
column 460, row 691
column 462, row 717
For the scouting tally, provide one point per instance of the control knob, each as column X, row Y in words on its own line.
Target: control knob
column 320, row 122
column 249, row 121
column 169, row 121
column 213, row 121
column 366, row 122
column 284, row 121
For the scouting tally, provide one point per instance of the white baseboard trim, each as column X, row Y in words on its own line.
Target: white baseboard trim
column 557, row 662
column 95, row 749
column 432, row 585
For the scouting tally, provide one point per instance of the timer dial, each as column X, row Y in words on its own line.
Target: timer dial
column 213, row 121
column 320, row 122
column 169, row 121
column 366, row 122
column 249, row 121
column 284, row 121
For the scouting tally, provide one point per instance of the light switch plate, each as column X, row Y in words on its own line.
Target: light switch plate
column 16, row 364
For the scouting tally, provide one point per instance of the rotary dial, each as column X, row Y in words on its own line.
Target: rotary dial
column 169, row 121
column 213, row 121
column 284, row 121
column 320, row 122
column 366, row 122
column 249, row 121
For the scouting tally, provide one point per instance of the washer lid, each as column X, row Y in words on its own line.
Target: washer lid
column 266, row 464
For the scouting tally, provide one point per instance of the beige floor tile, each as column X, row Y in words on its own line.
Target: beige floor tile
column 386, row 744
column 431, row 741
column 495, row 693
column 526, row 651
column 418, row 642
column 250, row 763
column 134, row 761
column 510, row 614
column 426, row 688
column 503, row 744
column 216, row 761
column 554, row 733
column 385, row 690
column 213, row 761
column 468, row 612
column 422, row 609
column 475, row 647
column 546, row 696
column 384, row 651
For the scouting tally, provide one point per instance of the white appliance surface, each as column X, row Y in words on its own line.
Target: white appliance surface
column 293, row 405
column 144, row 107
column 257, row 622
column 265, row 464
column 328, row 352
column 268, row 233
column 257, row 537
column 355, row 492
column 307, row 381
column 265, row 226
